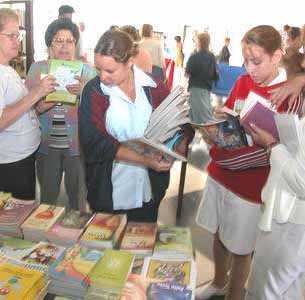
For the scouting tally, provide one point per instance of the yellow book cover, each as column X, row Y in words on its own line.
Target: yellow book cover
column 43, row 217
column 17, row 282
column 103, row 227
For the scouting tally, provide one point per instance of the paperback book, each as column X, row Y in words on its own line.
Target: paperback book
column 64, row 72
column 139, row 238
column 103, row 231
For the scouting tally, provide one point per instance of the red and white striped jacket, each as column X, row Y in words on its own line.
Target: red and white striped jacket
column 244, row 171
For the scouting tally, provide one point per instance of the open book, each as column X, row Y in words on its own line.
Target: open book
column 226, row 133
column 163, row 133
column 64, row 72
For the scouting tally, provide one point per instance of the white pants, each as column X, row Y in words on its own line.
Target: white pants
column 279, row 264
column 233, row 217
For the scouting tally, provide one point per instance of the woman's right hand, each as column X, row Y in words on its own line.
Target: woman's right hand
column 46, row 86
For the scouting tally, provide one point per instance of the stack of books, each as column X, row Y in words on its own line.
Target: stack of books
column 170, row 278
column 15, row 248
column 139, row 238
column 174, row 242
column 109, row 276
column 40, row 221
column 42, row 256
column 68, row 230
column 103, row 231
column 70, row 273
column 20, row 282
column 13, row 214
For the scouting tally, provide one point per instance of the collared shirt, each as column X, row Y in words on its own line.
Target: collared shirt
column 21, row 138
column 126, row 119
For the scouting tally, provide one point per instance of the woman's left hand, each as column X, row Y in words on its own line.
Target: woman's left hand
column 261, row 137
column 76, row 88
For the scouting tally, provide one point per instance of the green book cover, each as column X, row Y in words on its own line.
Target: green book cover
column 173, row 240
column 110, row 273
column 64, row 71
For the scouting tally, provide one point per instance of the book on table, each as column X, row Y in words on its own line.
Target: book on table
column 164, row 133
column 139, row 238
column 173, row 241
column 110, row 275
column 103, row 231
column 64, row 72
column 40, row 221
column 69, row 229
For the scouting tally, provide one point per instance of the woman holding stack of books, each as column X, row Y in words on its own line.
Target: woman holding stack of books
column 19, row 127
column 116, row 107
column 59, row 151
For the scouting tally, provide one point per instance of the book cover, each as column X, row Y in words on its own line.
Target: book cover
column 173, row 241
column 261, row 116
column 135, row 288
column 70, row 227
column 227, row 134
column 17, row 282
column 105, row 228
column 139, row 237
column 168, row 149
column 166, row 291
column 42, row 256
column 43, row 217
column 75, row 264
column 168, row 270
column 15, row 247
column 15, row 211
column 110, row 273
column 64, row 72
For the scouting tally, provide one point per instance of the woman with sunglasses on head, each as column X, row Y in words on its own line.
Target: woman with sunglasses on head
column 59, row 153
column 19, row 127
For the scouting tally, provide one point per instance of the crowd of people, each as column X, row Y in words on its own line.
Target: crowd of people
column 115, row 98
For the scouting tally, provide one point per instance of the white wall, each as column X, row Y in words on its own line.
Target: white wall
column 222, row 17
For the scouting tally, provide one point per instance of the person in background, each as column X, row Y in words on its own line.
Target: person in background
column 231, row 204
column 19, row 127
column 143, row 59
column 153, row 46
column 80, row 52
column 294, row 41
column 179, row 59
column 201, row 70
column 279, row 259
column 59, row 151
column 224, row 55
column 65, row 11
column 116, row 106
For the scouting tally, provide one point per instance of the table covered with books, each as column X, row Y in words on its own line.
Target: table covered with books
column 73, row 255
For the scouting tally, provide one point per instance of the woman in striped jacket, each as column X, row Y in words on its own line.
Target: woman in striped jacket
column 230, row 208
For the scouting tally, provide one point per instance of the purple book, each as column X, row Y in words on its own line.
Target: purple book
column 261, row 116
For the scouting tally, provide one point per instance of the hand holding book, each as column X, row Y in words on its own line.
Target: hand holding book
column 261, row 137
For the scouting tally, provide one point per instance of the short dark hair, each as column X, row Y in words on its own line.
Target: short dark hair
column 61, row 24
column 294, row 32
column 147, row 30
column 117, row 44
column 178, row 38
column 65, row 9
column 132, row 31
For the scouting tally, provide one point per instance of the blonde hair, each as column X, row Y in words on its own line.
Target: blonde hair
column 203, row 41
column 7, row 14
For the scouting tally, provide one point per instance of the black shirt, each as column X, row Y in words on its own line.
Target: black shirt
column 201, row 68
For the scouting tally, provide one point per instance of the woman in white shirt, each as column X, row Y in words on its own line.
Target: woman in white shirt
column 279, row 260
column 19, row 129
